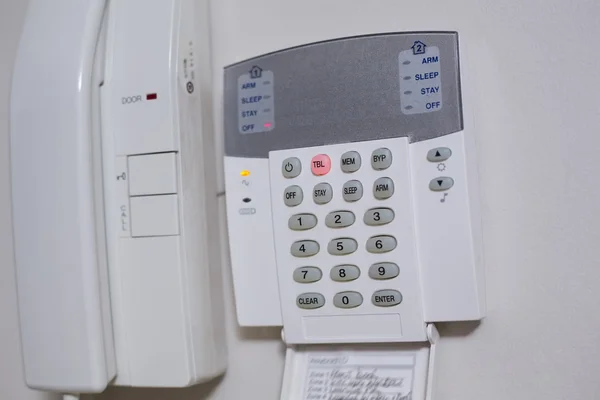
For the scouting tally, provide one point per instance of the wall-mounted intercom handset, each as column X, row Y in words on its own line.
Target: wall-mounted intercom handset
column 114, row 196
column 352, row 206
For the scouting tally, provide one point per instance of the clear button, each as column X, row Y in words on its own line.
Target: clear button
column 310, row 301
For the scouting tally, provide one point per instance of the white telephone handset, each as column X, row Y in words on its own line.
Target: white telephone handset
column 118, row 277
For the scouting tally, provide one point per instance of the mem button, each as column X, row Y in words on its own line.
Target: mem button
column 320, row 164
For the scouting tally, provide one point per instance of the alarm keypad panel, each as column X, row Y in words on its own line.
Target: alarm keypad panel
column 354, row 254
column 351, row 183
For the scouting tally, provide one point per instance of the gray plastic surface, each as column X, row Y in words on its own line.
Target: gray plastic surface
column 344, row 90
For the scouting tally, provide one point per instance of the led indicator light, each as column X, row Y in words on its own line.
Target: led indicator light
column 151, row 96
column 245, row 173
column 267, row 124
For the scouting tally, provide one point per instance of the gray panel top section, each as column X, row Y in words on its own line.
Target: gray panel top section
column 345, row 90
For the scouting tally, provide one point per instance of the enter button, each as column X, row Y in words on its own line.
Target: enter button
column 386, row 298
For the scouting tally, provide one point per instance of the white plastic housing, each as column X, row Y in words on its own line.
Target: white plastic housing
column 58, row 231
column 89, row 100
column 250, row 229
column 166, row 283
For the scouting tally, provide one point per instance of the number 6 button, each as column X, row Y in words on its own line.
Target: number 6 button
column 341, row 246
column 304, row 248
column 381, row 244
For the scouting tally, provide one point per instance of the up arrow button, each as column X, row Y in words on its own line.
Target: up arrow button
column 440, row 184
column 439, row 154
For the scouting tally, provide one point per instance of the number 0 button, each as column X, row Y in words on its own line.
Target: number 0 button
column 341, row 246
column 347, row 299
column 304, row 248
column 302, row 222
column 381, row 244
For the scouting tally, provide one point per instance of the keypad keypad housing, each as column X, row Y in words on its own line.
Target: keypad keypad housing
column 407, row 314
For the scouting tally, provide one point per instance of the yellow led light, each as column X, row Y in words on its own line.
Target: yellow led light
column 245, row 173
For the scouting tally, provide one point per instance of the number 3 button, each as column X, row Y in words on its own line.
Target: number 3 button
column 379, row 216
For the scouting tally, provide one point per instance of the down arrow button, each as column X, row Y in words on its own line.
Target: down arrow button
column 441, row 183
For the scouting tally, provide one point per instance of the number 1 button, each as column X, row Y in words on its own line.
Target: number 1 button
column 302, row 222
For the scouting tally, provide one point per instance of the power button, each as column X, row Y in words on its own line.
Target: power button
column 291, row 167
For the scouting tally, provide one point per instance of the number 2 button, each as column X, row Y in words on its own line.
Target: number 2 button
column 304, row 248
column 339, row 219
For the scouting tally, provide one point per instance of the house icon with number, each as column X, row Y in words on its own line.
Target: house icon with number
column 255, row 72
column 418, row 47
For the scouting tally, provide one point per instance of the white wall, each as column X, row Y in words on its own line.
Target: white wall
column 538, row 115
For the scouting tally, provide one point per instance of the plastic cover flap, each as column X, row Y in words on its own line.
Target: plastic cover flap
column 356, row 372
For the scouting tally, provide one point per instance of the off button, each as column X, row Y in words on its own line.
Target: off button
column 320, row 164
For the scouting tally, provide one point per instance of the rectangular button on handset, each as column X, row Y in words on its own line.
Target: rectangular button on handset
column 153, row 174
column 155, row 215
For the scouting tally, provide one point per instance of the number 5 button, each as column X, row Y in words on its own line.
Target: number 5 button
column 341, row 246
column 304, row 248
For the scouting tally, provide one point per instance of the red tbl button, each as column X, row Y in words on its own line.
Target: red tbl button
column 320, row 164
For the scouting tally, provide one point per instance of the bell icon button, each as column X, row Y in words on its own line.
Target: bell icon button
column 291, row 167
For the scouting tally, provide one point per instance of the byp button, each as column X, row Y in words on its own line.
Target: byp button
column 320, row 164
